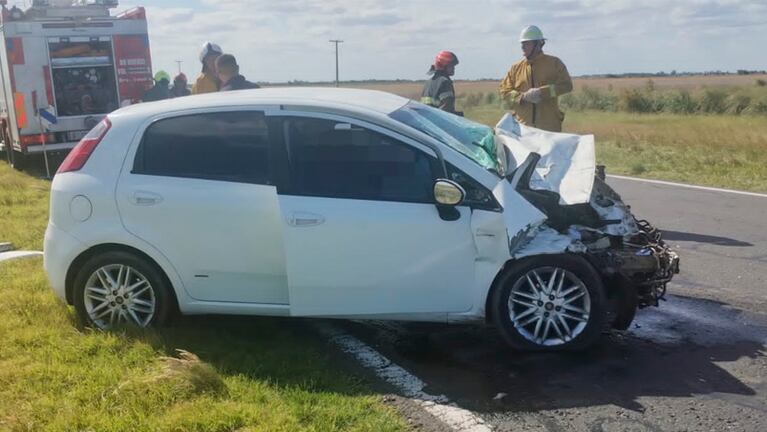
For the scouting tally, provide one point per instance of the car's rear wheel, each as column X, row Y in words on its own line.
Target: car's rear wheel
column 549, row 303
column 121, row 289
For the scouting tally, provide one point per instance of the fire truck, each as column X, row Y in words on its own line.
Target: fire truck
column 64, row 65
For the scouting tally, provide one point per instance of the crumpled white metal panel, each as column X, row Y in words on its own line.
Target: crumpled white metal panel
column 567, row 163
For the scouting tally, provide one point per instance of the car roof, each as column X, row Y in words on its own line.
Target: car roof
column 370, row 101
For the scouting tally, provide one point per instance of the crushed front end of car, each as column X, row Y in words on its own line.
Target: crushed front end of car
column 582, row 214
column 636, row 265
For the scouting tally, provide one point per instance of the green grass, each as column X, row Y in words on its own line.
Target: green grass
column 23, row 208
column 714, row 150
column 241, row 373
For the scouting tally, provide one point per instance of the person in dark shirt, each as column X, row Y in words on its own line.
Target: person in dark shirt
column 160, row 89
column 439, row 91
column 229, row 74
column 180, row 86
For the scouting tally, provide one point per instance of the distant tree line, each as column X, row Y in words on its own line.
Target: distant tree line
column 673, row 73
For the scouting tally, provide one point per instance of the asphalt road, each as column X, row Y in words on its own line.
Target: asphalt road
column 696, row 363
column 722, row 238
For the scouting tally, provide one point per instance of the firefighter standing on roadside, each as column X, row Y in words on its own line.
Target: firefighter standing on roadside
column 208, row 81
column 160, row 89
column 179, row 86
column 229, row 74
column 533, row 85
column 438, row 90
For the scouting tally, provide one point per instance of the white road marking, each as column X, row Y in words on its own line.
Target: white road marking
column 4, row 256
column 689, row 186
column 459, row 419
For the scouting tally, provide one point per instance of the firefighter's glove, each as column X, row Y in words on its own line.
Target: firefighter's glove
column 534, row 96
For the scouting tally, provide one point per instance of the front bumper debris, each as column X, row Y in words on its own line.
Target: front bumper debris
column 645, row 262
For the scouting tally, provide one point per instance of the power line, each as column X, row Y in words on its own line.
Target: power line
column 336, row 42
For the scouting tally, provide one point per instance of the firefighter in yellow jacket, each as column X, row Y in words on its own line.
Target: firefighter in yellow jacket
column 208, row 81
column 533, row 85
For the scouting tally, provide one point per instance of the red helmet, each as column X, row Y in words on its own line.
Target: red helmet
column 180, row 77
column 444, row 60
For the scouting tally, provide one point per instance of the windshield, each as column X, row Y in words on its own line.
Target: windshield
column 473, row 140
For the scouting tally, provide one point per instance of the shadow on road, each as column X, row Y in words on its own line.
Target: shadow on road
column 703, row 238
column 671, row 353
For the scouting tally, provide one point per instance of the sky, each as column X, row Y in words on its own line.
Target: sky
column 283, row 40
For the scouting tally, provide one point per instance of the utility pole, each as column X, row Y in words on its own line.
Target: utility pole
column 336, row 42
column 179, row 65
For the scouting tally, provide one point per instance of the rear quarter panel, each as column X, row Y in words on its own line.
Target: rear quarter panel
column 97, row 181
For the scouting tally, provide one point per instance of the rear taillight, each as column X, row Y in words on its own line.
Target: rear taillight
column 82, row 151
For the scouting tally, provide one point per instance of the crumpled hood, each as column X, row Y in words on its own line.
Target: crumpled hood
column 566, row 166
column 567, row 163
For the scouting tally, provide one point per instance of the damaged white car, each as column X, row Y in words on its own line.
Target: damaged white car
column 346, row 204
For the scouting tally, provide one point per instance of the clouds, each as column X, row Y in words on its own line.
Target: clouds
column 374, row 19
column 288, row 39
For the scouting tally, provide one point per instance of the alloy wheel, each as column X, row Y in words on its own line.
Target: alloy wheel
column 549, row 306
column 118, row 294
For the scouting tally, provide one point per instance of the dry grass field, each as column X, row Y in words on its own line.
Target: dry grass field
column 713, row 150
column 413, row 90
column 715, row 143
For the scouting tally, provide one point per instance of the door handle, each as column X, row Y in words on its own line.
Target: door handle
column 305, row 219
column 144, row 198
column 481, row 233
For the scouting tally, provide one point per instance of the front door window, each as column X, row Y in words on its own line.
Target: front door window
column 338, row 160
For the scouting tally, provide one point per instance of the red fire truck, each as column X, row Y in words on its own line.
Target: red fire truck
column 74, row 60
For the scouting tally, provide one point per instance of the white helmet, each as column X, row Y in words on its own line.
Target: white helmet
column 209, row 47
column 531, row 33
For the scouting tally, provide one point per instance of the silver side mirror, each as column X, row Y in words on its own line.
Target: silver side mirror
column 448, row 192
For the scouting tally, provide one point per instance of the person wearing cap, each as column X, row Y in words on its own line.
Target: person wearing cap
column 180, row 87
column 438, row 90
column 533, row 85
column 208, row 81
column 160, row 89
column 229, row 74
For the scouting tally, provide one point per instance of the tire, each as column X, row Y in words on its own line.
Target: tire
column 142, row 297
column 18, row 160
column 570, row 316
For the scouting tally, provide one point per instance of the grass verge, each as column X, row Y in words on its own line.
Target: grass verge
column 717, row 150
column 234, row 373
column 23, row 208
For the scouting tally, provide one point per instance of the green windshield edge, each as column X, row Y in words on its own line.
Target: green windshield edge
column 483, row 151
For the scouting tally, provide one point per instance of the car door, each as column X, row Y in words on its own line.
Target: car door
column 199, row 189
column 362, row 233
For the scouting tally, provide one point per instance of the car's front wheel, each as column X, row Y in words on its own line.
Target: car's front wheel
column 547, row 303
column 121, row 289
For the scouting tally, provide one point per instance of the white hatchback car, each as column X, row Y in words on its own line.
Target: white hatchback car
column 347, row 204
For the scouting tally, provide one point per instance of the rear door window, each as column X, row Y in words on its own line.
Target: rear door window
column 226, row 146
